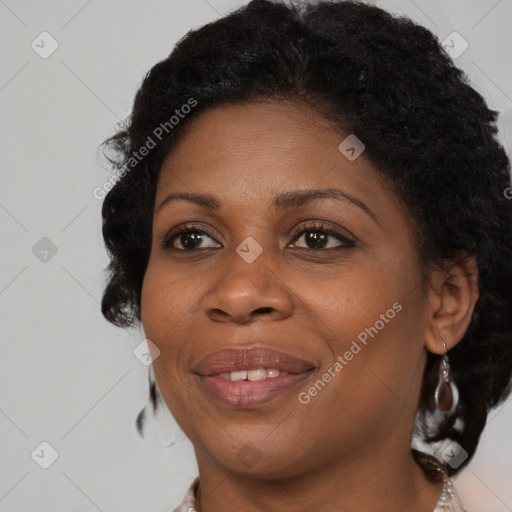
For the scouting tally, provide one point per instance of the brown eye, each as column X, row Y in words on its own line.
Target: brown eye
column 189, row 239
column 318, row 237
column 317, row 240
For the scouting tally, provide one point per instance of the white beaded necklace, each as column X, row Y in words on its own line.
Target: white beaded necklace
column 448, row 501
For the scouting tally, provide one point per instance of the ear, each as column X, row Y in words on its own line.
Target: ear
column 452, row 296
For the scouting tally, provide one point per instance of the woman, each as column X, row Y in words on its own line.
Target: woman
column 311, row 223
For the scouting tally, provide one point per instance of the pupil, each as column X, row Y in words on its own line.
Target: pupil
column 316, row 238
column 187, row 237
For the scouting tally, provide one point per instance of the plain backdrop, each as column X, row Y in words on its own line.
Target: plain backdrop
column 68, row 378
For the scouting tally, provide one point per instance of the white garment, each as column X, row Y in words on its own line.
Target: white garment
column 448, row 502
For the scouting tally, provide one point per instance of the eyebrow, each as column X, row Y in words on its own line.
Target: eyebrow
column 283, row 201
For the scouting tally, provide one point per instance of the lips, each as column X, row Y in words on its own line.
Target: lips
column 231, row 360
column 235, row 377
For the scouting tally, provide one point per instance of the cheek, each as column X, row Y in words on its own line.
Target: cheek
column 155, row 296
column 353, row 300
column 371, row 317
column 166, row 303
column 166, row 307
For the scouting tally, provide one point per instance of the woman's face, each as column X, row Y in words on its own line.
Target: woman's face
column 305, row 263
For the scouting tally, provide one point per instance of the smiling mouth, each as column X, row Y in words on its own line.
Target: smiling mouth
column 252, row 375
column 245, row 393
column 248, row 378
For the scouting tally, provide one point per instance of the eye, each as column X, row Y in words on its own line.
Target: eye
column 190, row 238
column 314, row 237
column 320, row 236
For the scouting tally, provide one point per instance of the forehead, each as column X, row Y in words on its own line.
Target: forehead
column 256, row 149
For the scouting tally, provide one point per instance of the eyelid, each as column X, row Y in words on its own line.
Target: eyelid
column 296, row 233
column 317, row 225
column 346, row 242
column 184, row 228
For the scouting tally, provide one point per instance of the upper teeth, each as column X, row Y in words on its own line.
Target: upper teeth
column 252, row 375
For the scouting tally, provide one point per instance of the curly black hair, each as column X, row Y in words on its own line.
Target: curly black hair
column 388, row 81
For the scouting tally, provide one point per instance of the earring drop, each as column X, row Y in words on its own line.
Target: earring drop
column 446, row 395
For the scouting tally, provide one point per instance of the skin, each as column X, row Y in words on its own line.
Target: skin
column 349, row 447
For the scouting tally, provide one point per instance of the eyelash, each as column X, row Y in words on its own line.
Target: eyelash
column 323, row 228
column 314, row 227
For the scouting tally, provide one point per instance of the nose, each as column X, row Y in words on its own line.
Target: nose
column 248, row 292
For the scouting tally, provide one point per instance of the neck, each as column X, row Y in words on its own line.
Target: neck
column 385, row 481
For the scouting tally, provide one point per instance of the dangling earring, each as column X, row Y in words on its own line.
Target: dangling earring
column 446, row 395
column 154, row 398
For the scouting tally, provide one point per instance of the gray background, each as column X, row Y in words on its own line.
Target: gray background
column 68, row 377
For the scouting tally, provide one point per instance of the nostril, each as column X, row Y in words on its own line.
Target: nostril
column 263, row 310
column 217, row 311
